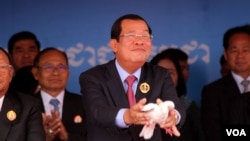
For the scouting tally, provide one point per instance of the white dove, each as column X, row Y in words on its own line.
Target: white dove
column 158, row 114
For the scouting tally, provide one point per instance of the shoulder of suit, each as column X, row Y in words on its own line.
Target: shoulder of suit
column 18, row 97
column 99, row 71
column 221, row 81
column 94, row 71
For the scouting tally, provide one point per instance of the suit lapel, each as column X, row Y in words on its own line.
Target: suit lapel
column 67, row 106
column 117, row 94
column 231, row 88
column 38, row 95
column 145, row 80
column 10, row 105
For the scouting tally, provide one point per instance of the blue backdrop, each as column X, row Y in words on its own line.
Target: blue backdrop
column 82, row 29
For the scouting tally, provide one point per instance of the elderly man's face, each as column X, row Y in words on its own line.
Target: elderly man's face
column 6, row 73
column 53, row 72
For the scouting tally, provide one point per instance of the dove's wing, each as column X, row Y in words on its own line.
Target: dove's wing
column 165, row 106
column 149, row 107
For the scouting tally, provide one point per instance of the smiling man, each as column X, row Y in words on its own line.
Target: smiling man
column 20, row 115
column 63, row 117
column 114, row 93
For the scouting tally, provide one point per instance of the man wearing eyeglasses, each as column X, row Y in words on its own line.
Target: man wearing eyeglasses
column 112, row 116
column 20, row 115
column 63, row 117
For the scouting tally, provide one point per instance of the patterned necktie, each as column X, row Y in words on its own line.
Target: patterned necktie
column 245, row 84
column 130, row 94
column 55, row 103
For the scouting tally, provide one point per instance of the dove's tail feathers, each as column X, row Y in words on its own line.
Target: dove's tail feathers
column 147, row 131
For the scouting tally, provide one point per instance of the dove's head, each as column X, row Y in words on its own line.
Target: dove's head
column 166, row 106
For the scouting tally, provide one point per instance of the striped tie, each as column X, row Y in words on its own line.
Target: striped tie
column 245, row 84
column 55, row 103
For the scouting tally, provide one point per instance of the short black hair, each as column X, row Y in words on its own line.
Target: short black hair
column 41, row 53
column 116, row 27
column 22, row 35
column 230, row 32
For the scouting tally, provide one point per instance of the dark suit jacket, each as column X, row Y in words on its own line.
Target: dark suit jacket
column 217, row 105
column 72, row 107
column 240, row 110
column 27, row 126
column 104, row 95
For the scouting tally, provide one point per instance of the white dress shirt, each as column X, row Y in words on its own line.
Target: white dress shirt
column 123, row 74
column 238, row 80
column 47, row 106
column 1, row 102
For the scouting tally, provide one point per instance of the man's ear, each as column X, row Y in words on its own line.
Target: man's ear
column 35, row 72
column 225, row 55
column 12, row 72
column 113, row 45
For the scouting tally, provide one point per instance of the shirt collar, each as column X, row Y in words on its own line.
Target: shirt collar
column 1, row 101
column 47, row 97
column 123, row 74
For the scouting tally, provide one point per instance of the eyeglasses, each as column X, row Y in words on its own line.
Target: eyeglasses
column 50, row 68
column 5, row 67
column 133, row 36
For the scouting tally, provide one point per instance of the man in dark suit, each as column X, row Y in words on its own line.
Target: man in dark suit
column 64, row 118
column 111, row 116
column 223, row 97
column 20, row 115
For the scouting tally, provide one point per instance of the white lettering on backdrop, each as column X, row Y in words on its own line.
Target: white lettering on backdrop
column 80, row 54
